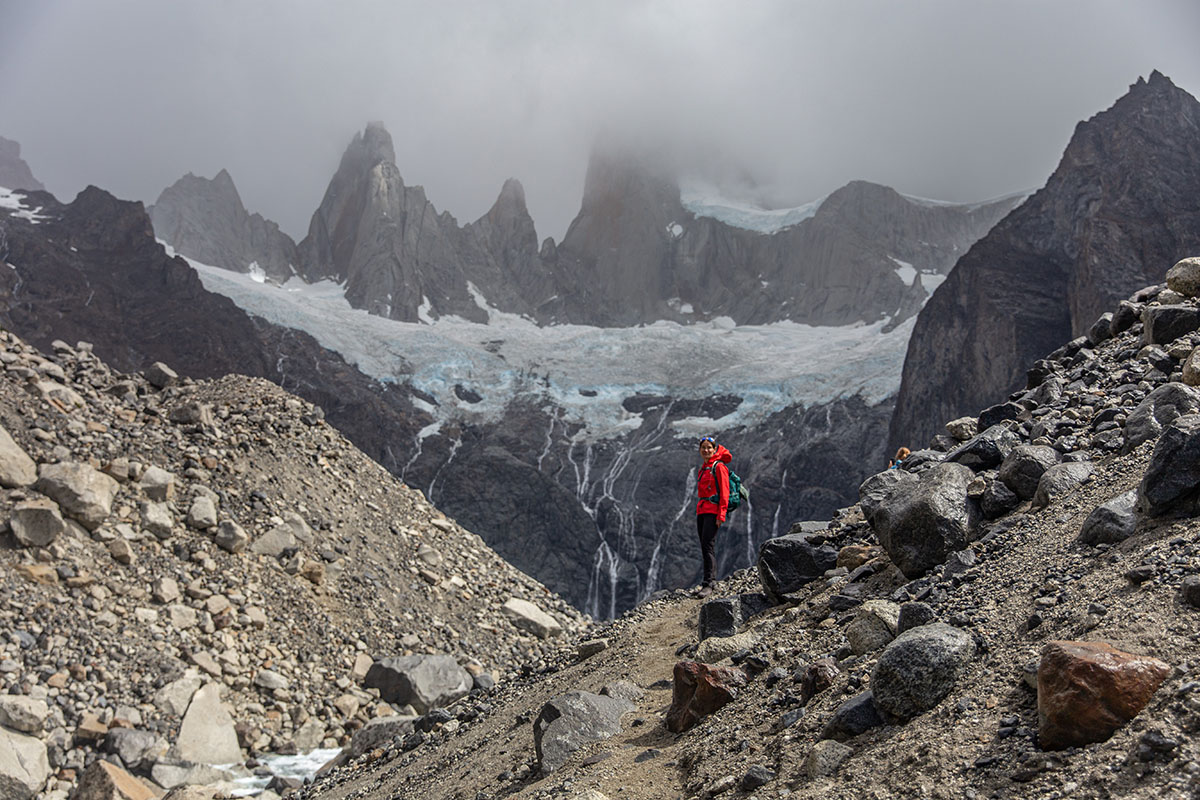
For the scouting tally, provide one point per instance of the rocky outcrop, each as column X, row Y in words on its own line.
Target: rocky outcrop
column 14, row 172
column 205, row 220
column 399, row 258
column 1116, row 214
column 635, row 254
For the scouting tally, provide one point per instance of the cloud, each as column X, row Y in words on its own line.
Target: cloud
column 945, row 99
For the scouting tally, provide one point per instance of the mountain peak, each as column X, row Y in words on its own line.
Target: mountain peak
column 372, row 146
column 14, row 172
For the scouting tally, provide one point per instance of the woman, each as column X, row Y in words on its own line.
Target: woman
column 898, row 461
column 712, row 483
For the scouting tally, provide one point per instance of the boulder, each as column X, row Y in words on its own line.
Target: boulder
column 1059, row 480
column 1172, row 478
column 157, row 484
column 874, row 625
column 82, row 493
column 23, row 714
column 16, row 467
column 963, row 428
column 1160, row 408
column 725, row 615
column 984, row 450
column 175, row 696
column 161, row 376
column 719, row 648
column 422, row 681
column 921, row 526
column 158, row 519
column 137, row 749
column 203, row 514
column 997, row 499
column 1184, row 277
column 525, row 616
column 1111, row 522
column 825, row 758
column 24, row 766
column 105, row 781
column 787, row 563
column 817, row 677
column 875, row 490
column 914, row 615
column 274, row 542
column 919, row 668
column 207, row 735
column 1165, row 324
column 171, row 773
column 857, row 715
column 1002, row 412
column 1023, row 467
column 572, row 720
column 1101, row 329
column 1128, row 313
column 230, row 537
column 699, row 690
column 1191, row 368
column 36, row 522
column 1086, row 690
column 379, row 732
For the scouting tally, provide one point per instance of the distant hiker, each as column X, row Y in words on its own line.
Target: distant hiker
column 898, row 461
column 712, row 484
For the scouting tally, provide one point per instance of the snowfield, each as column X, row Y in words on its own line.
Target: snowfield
column 586, row 372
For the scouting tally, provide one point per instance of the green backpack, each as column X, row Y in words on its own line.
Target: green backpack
column 737, row 492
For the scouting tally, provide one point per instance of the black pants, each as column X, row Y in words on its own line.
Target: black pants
column 706, row 528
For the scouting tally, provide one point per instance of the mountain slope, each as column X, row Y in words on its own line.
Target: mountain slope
column 14, row 172
column 1119, row 209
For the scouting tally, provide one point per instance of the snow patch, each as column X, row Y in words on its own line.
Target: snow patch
column 256, row 273
column 12, row 200
column 675, row 229
column 704, row 200
column 905, row 270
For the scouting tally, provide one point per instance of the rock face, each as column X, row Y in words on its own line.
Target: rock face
column 205, row 220
column 1086, row 690
column 1086, row 240
column 14, row 172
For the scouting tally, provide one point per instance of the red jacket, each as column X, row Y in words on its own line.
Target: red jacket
column 709, row 486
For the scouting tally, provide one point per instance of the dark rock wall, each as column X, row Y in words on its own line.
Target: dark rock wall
column 1117, row 213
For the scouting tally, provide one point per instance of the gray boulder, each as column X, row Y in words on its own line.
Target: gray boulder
column 207, row 735
column 203, row 514
column 422, row 681
column 1022, row 468
column 873, row 626
column 875, row 490
column 527, row 617
column 1111, row 522
column 570, row 721
column 137, row 749
column 157, row 484
column 1101, row 330
column 81, row 492
column 1172, row 478
column 1165, row 324
column 161, row 376
column 379, row 732
column 857, row 715
column 985, row 450
column 274, row 542
column 1160, row 408
column 23, row 714
column 1184, row 277
column 36, row 522
column 230, row 537
column 722, row 617
column 24, row 765
column 1060, row 480
column 788, row 563
column 921, row 526
column 919, row 668
column 16, row 467
column 997, row 499
column 157, row 519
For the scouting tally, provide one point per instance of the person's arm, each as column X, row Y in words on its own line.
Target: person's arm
column 721, row 473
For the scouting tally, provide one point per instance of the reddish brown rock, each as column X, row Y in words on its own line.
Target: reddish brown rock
column 1086, row 690
column 818, row 676
column 853, row 556
column 700, row 690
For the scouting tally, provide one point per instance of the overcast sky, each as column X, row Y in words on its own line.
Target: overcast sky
column 951, row 100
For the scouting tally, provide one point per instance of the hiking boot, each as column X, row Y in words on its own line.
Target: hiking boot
column 704, row 591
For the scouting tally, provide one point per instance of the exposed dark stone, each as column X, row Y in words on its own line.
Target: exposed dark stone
column 787, row 563
column 857, row 715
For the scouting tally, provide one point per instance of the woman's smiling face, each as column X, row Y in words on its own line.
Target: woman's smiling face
column 707, row 449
